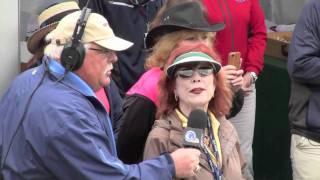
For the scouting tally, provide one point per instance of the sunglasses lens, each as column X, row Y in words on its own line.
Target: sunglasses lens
column 205, row 71
column 202, row 71
column 186, row 73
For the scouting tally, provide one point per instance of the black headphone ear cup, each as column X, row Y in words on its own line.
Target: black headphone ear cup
column 73, row 53
column 72, row 57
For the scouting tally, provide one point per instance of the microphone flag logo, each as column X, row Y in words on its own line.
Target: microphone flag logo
column 191, row 137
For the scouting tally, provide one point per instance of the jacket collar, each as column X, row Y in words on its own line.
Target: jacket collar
column 71, row 79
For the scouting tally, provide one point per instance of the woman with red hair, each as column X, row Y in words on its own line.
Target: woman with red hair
column 177, row 21
column 193, row 80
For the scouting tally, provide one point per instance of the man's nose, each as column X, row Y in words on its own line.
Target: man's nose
column 114, row 57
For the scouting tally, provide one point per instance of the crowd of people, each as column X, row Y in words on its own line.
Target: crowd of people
column 109, row 98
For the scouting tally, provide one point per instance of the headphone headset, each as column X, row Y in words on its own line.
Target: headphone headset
column 73, row 53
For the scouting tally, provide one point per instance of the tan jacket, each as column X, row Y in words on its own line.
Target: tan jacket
column 167, row 136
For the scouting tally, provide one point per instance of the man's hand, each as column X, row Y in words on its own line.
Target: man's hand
column 186, row 161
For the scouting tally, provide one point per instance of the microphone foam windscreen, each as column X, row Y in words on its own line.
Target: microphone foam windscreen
column 197, row 119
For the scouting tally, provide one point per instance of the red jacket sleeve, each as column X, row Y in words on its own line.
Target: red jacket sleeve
column 257, row 39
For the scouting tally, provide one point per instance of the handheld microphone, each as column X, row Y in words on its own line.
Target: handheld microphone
column 193, row 134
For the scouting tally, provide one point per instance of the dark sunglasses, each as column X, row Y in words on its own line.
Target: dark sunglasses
column 202, row 71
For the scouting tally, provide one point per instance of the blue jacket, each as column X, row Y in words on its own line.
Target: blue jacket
column 115, row 101
column 65, row 134
column 304, row 70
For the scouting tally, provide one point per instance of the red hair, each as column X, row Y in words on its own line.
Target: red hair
column 220, row 104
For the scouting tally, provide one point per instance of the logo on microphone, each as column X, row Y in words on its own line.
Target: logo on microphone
column 191, row 137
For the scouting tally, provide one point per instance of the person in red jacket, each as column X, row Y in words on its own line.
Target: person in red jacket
column 245, row 32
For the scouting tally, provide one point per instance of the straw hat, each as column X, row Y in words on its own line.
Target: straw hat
column 47, row 21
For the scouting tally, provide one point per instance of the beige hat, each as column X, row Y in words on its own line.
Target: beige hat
column 97, row 30
column 48, row 20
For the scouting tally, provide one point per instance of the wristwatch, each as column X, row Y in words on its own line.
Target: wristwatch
column 254, row 77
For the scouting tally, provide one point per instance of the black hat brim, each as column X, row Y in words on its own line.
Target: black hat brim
column 161, row 30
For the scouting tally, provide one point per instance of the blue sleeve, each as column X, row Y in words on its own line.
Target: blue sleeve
column 304, row 51
column 1, row 137
column 81, row 149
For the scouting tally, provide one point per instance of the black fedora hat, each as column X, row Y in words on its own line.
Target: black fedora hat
column 183, row 16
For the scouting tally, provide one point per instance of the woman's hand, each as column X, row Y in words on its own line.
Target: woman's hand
column 247, row 83
column 234, row 77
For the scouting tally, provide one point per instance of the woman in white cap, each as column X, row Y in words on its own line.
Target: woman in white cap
column 192, row 80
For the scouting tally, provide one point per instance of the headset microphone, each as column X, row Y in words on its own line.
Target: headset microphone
column 193, row 134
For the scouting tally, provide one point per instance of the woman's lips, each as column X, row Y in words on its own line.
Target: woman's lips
column 197, row 90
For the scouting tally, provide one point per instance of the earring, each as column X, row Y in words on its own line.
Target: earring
column 176, row 97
